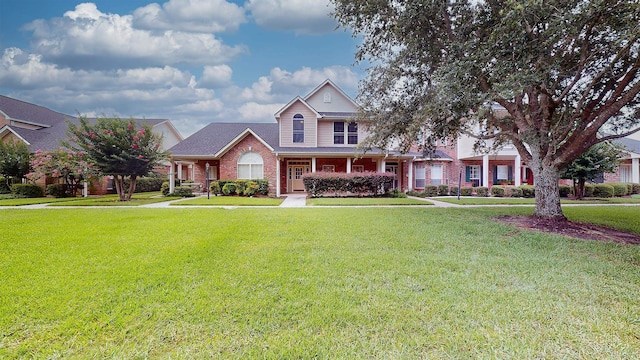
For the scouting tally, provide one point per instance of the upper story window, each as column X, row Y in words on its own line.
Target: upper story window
column 298, row 128
column 250, row 165
column 338, row 132
column 352, row 133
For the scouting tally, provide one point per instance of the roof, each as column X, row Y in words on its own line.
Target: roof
column 30, row 113
column 630, row 144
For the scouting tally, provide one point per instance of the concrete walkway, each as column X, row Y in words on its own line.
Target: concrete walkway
column 294, row 200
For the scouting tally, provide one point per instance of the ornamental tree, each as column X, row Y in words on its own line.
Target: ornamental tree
column 598, row 159
column 119, row 148
column 71, row 167
column 559, row 71
column 15, row 160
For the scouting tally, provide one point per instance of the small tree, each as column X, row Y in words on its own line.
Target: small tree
column 598, row 159
column 71, row 167
column 119, row 148
column 14, row 161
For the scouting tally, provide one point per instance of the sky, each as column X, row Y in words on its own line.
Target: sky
column 190, row 61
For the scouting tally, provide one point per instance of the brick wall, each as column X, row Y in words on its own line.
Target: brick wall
column 228, row 169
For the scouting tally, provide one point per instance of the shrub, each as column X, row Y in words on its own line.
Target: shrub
column 164, row 188
column 466, row 191
column 528, row 191
column 619, row 189
column 515, row 192
column 215, row 188
column 57, row 190
column 229, row 188
column 603, row 190
column 565, row 190
column 183, row 191
column 629, row 188
column 395, row 193
column 148, row 184
column 443, row 190
column 636, row 189
column 416, row 194
column 4, row 188
column 588, row 190
column 250, row 189
column 340, row 184
column 263, row 186
column 240, row 186
column 430, row 190
column 27, row 190
column 497, row 191
column 481, row 191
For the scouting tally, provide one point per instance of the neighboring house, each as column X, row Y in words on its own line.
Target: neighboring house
column 43, row 129
column 629, row 169
column 310, row 134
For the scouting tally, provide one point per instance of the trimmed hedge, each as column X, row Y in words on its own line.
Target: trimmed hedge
column 515, row 192
column 636, row 189
column 4, row 188
column 183, row 191
column 430, row 190
column 528, row 191
column 57, row 190
column 466, row 191
column 619, row 189
column 240, row 187
column 603, row 191
column 27, row 190
column 497, row 191
column 343, row 184
column 588, row 190
column 481, row 191
column 443, row 190
column 565, row 190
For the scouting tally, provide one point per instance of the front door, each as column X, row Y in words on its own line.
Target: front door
column 392, row 168
column 295, row 176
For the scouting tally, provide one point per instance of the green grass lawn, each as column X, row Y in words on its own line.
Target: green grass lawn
column 522, row 201
column 230, row 201
column 371, row 201
column 320, row 283
column 113, row 200
column 31, row 201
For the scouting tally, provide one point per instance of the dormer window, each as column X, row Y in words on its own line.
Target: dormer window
column 298, row 128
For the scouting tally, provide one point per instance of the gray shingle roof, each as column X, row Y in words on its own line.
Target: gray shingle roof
column 21, row 110
column 630, row 144
column 215, row 136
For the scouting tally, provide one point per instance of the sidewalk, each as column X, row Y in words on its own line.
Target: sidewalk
column 295, row 200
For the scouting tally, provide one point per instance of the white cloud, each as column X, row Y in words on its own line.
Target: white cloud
column 87, row 38
column 254, row 112
column 211, row 16
column 299, row 16
column 216, row 76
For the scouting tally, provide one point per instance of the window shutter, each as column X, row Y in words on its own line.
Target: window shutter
column 467, row 173
column 495, row 175
column 481, row 177
column 510, row 173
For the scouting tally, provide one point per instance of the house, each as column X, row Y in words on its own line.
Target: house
column 309, row 134
column 43, row 129
column 629, row 168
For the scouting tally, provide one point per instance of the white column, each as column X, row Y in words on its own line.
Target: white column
column 313, row 164
column 485, row 170
column 410, row 176
column 348, row 165
column 277, row 176
column 172, row 179
column 179, row 165
column 635, row 170
column 517, row 167
column 85, row 189
column 383, row 165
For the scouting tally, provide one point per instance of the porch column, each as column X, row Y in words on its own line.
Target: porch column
column 383, row 165
column 635, row 170
column 517, row 167
column 348, row 165
column 485, row 171
column 410, row 176
column 179, row 165
column 172, row 178
column 85, row 189
column 277, row 176
column 313, row 164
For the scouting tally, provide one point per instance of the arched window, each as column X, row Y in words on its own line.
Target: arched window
column 298, row 128
column 250, row 166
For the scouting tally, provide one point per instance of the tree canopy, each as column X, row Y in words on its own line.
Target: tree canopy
column 71, row 167
column 559, row 70
column 15, row 159
column 593, row 163
column 119, row 148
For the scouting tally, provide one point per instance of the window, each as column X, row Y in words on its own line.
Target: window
column 472, row 174
column 357, row 168
column 250, row 166
column 625, row 173
column 328, row 168
column 338, row 132
column 352, row 135
column 436, row 174
column 502, row 172
column 420, row 176
column 298, row 128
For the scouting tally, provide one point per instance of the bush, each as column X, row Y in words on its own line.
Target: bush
column 395, row 193
column 250, row 189
column 629, row 188
column 148, row 184
column 515, row 192
column 481, row 191
column 27, row 190
column 528, row 191
column 430, row 190
column 603, row 190
column 4, row 188
column 183, row 191
column 229, row 188
column 57, row 190
column 416, row 194
column 565, row 190
column 263, row 186
column 588, row 190
column 443, row 190
column 341, row 184
column 466, row 191
column 619, row 189
column 215, row 188
column 497, row 191
column 164, row 188
column 636, row 189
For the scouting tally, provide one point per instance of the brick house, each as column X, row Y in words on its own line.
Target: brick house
column 43, row 129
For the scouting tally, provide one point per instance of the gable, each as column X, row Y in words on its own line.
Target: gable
column 329, row 98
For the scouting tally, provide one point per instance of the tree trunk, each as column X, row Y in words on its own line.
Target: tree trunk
column 132, row 187
column 580, row 192
column 546, row 178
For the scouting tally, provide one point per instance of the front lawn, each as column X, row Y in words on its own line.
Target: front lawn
column 468, row 200
column 230, row 201
column 365, row 201
column 112, row 200
column 320, row 283
column 12, row 201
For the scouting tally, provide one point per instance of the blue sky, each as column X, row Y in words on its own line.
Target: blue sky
column 190, row 61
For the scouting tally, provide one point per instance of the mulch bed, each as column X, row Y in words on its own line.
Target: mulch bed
column 572, row 229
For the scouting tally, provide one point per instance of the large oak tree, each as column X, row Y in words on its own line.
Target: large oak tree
column 560, row 70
